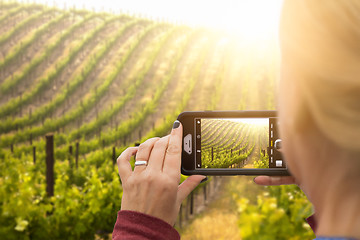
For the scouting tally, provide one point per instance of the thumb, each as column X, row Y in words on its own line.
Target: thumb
column 187, row 186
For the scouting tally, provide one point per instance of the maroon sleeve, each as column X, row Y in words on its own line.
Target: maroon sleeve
column 312, row 222
column 135, row 225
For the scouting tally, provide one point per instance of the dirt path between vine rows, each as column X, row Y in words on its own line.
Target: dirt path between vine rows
column 220, row 219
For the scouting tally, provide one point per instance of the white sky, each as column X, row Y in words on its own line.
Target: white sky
column 252, row 18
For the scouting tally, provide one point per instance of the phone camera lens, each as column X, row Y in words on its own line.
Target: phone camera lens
column 278, row 145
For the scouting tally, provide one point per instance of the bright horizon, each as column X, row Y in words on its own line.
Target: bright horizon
column 252, row 20
column 253, row 121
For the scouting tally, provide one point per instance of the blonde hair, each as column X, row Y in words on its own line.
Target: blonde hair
column 320, row 40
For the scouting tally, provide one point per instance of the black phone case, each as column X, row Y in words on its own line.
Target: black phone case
column 187, row 161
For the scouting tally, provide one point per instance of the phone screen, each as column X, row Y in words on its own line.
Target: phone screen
column 237, row 143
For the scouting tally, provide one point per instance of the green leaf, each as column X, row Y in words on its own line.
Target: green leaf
column 21, row 224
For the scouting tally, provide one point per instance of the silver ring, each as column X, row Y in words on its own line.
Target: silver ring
column 140, row 163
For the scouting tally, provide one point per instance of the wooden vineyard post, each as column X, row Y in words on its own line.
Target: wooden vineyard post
column 209, row 187
column 50, row 165
column 70, row 156
column 114, row 155
column 192, row 203
column 205, row 193
column 180, row 216
column 12, row 148
column 77, row 155
column 212, row 186
column 212, row 154
column 34, row 155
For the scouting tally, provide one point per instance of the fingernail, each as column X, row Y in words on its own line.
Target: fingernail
column 204, row 180
column 176, row 124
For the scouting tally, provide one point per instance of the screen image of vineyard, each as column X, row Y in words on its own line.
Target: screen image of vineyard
column 234, row 143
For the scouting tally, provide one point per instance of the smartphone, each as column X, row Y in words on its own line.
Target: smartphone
column 231, row 143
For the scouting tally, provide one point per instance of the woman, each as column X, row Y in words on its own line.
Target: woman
column 319, row 111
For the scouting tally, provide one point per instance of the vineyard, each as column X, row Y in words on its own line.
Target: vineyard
column 231, row 144
column 90, row 84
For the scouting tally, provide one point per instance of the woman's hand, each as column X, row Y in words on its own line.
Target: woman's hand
column 154, row 189
column 273, row 181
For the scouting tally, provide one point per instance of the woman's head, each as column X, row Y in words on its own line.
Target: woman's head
column 320, row 85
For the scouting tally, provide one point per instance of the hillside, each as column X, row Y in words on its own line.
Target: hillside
column 99, row 83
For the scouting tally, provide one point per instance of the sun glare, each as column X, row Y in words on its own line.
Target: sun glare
column 253, row 121
column 251, row 20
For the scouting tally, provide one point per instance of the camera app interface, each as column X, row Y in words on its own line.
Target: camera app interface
column 237, row 143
